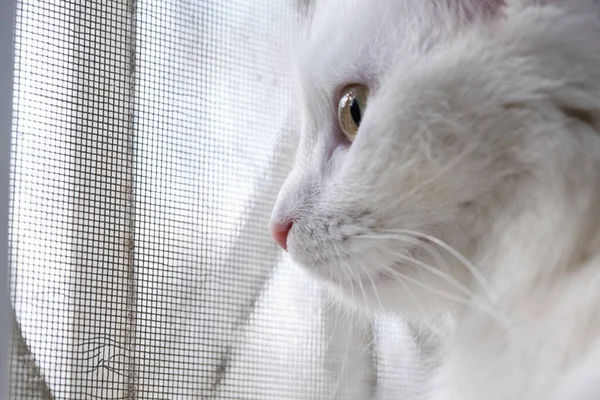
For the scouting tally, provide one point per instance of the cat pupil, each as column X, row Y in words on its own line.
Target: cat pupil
column 355, row 112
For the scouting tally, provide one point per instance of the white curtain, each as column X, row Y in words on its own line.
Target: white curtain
column 150, row 139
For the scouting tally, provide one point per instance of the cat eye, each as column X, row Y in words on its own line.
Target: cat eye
column 351, row 108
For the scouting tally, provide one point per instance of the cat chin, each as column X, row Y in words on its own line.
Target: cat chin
column 381, row 294
column 373, row 283
column 358, row 294
column 389, row 301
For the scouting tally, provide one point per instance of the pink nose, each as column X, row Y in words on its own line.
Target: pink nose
column 280, row 231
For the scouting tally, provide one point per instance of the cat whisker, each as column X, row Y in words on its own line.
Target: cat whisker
column 435, row 271
column 466, row 291
column 429, row 268
column 470, row 294
column 446, row 277
column 354, row 276
column 329, row 303
column 361, row 287
column 346, row 267
column 490, row 305
column 456, row 254
column 369, row 345
column 368, row 275
column 399, row 275
column 418, row 304
column 484, row 307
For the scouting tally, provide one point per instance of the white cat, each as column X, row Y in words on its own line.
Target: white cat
column 449, row 164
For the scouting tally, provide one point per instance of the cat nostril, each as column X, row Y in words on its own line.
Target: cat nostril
column 280, row 231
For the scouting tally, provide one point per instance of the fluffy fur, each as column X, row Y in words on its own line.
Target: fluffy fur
column 472, row 188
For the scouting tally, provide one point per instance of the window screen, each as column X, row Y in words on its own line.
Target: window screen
column 149, row 142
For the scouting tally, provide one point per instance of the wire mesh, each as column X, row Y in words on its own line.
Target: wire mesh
column 149, row 142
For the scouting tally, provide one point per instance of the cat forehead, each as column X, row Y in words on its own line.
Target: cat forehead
column 347, row 38
column 356, row 40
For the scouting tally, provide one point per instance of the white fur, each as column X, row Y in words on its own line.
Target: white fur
column 482, row 133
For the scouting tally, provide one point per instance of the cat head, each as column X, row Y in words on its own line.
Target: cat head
column 422, row 123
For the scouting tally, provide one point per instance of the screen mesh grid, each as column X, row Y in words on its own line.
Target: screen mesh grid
column 149, row 142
